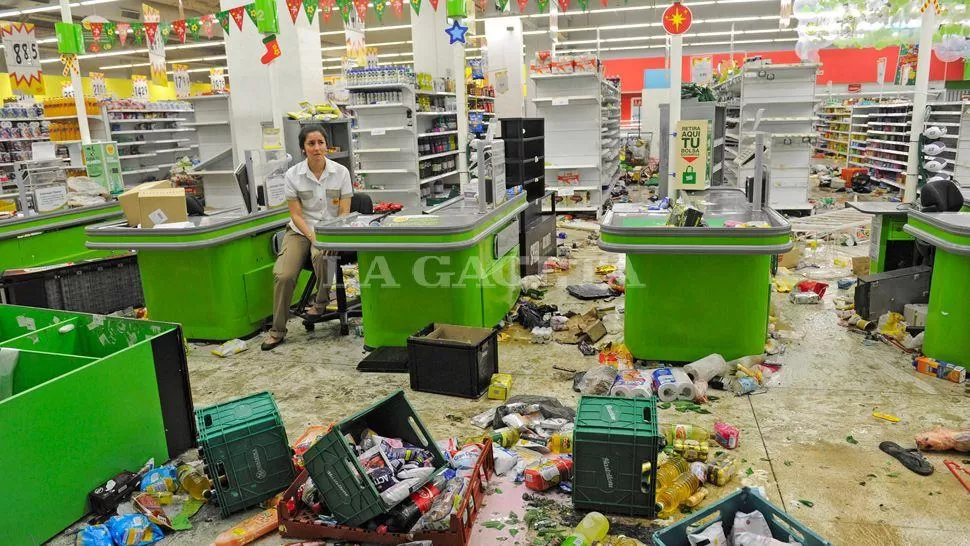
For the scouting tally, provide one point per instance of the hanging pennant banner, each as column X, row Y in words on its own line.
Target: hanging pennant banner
column 217, row 80
column 96, row 29
column 180, row 73
column 194, row 25
column 156, row 44
column 123, row 29
column 109, row 33
column 178, row 27
column 151, row 31
column 208, row 24
column 326, row 9
column 481, row 4
column 543, row 4
column 416, row 6
column 98, row 86
column 379, row 8
column 238, row 16
column 344, row 10
column 500, row 4
column 563, row 5
column 254, row 14
column 223, row 17
column 293, row 6
column 354, row 38
column 361, row 7
column 397, row 6
column 604, row 3
column 139, row 87
column 23, row 57
column 583, row 4
column 310, row 8
column 138, row 32
column 434, row 4
column 522, row 5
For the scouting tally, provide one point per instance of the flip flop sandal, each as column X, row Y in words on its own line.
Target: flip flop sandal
column 911, row 458
column 269, row 345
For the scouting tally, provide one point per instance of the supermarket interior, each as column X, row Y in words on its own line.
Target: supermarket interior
column 354, row 272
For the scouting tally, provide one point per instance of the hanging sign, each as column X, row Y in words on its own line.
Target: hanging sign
column 139, row 88
column 180, row 73
column 693, row 163
column 67, row 89
column 98, row 86
column 677, row 19
column 156, row 44
column 217, row 80
column 354, row 37
column 23, row 57
column 702, row 69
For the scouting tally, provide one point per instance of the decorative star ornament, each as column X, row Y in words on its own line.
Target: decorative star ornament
column 456, row 33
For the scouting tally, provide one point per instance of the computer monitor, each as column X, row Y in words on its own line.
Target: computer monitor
column 242, row 179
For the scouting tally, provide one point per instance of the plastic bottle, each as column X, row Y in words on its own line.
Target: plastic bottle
column 505, row 437
column 668, row 471
column 193, row 482
column 545, row 474
column 672, row 497
column 257, row 526
column 561, row 442
column 403, row 516
column 685, row 432
column 592, row 528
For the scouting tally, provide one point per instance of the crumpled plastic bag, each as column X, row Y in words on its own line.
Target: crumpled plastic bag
column 531, row 315
column 944, row 439
column 751, row 523
column 549, row 408
column 95, row 535
column 598, row 380
column 134, row 530
column 713, row 535
column 892, row 325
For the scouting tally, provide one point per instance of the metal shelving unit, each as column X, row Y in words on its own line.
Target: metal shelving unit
column 954, row 117
column 146, row 136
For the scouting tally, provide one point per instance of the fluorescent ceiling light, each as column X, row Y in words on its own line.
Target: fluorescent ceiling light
column 378, row 44
column 663, row 36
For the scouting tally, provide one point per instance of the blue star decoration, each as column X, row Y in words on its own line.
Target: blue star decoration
column 456, row 33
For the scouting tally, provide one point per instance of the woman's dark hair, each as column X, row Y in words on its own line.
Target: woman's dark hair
column 306, row 130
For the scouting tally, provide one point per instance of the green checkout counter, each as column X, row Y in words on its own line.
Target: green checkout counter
column 454, row 265
column 693, row 291
column 890, row 246
column 948, row 314
column 51, row 238
column 214, row 276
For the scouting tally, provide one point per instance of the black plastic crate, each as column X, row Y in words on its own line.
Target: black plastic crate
column 525, row 149
column 524, row 172
column 94, row 286
column 519, row 128
column 453, row 360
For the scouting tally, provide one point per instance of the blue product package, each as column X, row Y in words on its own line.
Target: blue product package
column 134, row 530
column 95, row 535
column 159, row 480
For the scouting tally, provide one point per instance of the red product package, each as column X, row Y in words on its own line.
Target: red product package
column 813, row 286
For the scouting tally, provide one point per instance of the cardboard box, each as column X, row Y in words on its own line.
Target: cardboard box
column 915, row 314
column 500, row 386
column 860, row 265
column 129, row 199
column 162, row 206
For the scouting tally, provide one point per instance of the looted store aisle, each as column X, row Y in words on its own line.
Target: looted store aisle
column 793, row 437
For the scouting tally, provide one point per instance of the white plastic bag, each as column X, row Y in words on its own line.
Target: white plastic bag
column 753, row 523
column 713, row 535
column 231, row 347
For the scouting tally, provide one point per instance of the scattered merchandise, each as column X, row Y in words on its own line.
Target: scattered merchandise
column 944, row 439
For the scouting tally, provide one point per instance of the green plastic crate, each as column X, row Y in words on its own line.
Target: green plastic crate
column 244, row 446
column 342, row 481
column 783, row 527
column 613, row 440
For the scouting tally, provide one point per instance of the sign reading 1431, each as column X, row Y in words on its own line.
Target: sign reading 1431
column 677, row 19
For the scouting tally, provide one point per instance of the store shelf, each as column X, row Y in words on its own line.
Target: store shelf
column 561, row 208
column 438, row 177
column 435, row 93
column 434, row 114
column 441, row 154
column 376, row 106
column 25, row 139
column 205, row 123
column 384, row 171
column 136, row 156
column 142, row 131
column 570, row 167
column 378, row 131
column 174, row 150
column 893, row 161
column 564, row 76
column 890, row 142
column 338, row 155
column 567, row 100
column 379, row 150
column 379, row 86
column 890, row 169
column 886, row 150
column 889, row 115
column 480, row 97
column 888, row 182
column 141, row 171
column 575, row 188
column 438, row 133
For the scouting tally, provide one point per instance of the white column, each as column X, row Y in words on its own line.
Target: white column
column 257, row 96
column 82, row 117
column 505, row 61
column 676, row 76
column 927, row 28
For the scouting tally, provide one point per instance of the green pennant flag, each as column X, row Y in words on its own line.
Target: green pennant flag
column 194, row 24
column 223, row 17
column 379, row 10
column 165, row 29
column 344, row 6
column 138, row 32
column 310, row 7
column 109, row 31
column 416, row 6
column 500, row 4
column 254, row 15
column 583, row 4
column 543, row 4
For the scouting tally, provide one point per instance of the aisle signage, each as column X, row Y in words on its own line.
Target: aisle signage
column 218, row 80
column 693, row 163
column 67, row 89
column 139, row 88
column 156, row 44
column 50, row 198
column 677, row 19
column 180, row 73
column 23, row 58
column 99, row 88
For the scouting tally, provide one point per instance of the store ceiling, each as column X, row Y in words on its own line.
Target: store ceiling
column 625, row 30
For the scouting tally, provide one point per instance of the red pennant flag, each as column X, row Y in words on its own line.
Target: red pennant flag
column 151, row 29
column 522, row 5
column 563, row 5
column 604, row 2
column 238, row 15
column 294, row 6
column 96, row 29
column 482, row 4
column 326, row 8
column 361, row 7
column 398, row 7
column 123, row 32
column 434, row 4
column 178, row 27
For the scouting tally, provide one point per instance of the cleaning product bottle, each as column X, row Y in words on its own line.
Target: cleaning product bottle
column 592, row 528
column 673, row 496
column 668, row 471
column 561, row 442
column 193, row 482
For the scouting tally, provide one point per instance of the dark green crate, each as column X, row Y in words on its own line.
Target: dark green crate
column 246, row 453
column 783, row 527
column 341, row 480
column 613, row 439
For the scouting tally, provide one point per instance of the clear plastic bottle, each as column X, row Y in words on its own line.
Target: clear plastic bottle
column 592, row 528
column 194, row 482
column 668, row 471
column 684, row 432
column 672, row 497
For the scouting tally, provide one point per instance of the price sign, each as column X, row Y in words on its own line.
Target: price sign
column 182, row 82
column 67, row 89
column 139, row 88
column 98, row 85
column 378, row 132
column 23, row 57
column 218, row 80
column 560, row 102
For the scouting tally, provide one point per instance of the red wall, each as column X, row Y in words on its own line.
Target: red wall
column 840, row 66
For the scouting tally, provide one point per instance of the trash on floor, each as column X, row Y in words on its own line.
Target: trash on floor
column 944, row 439
column 231, row 347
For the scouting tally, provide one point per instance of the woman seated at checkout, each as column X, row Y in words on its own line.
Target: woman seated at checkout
column 316, row 189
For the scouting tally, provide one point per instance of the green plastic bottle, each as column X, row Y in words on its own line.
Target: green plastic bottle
column 592, row 528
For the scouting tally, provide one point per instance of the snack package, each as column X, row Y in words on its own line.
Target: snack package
column 163, row 478
column 95, row 535
column 133, row 530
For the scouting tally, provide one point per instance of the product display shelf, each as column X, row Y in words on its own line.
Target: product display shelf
column 880, row 140
column 954, row 117
column 578, row 133
column 146, row 135
column 784, row 92
column 833, row 122
column 211, row 121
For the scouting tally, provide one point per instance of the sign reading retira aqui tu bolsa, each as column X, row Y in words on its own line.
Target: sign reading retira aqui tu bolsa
column 693, row 168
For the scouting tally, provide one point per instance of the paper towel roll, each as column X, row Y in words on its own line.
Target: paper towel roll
column 627, row 382
column 642, row 391
column 665, row 384
column 706, row 368
column 684, row 386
